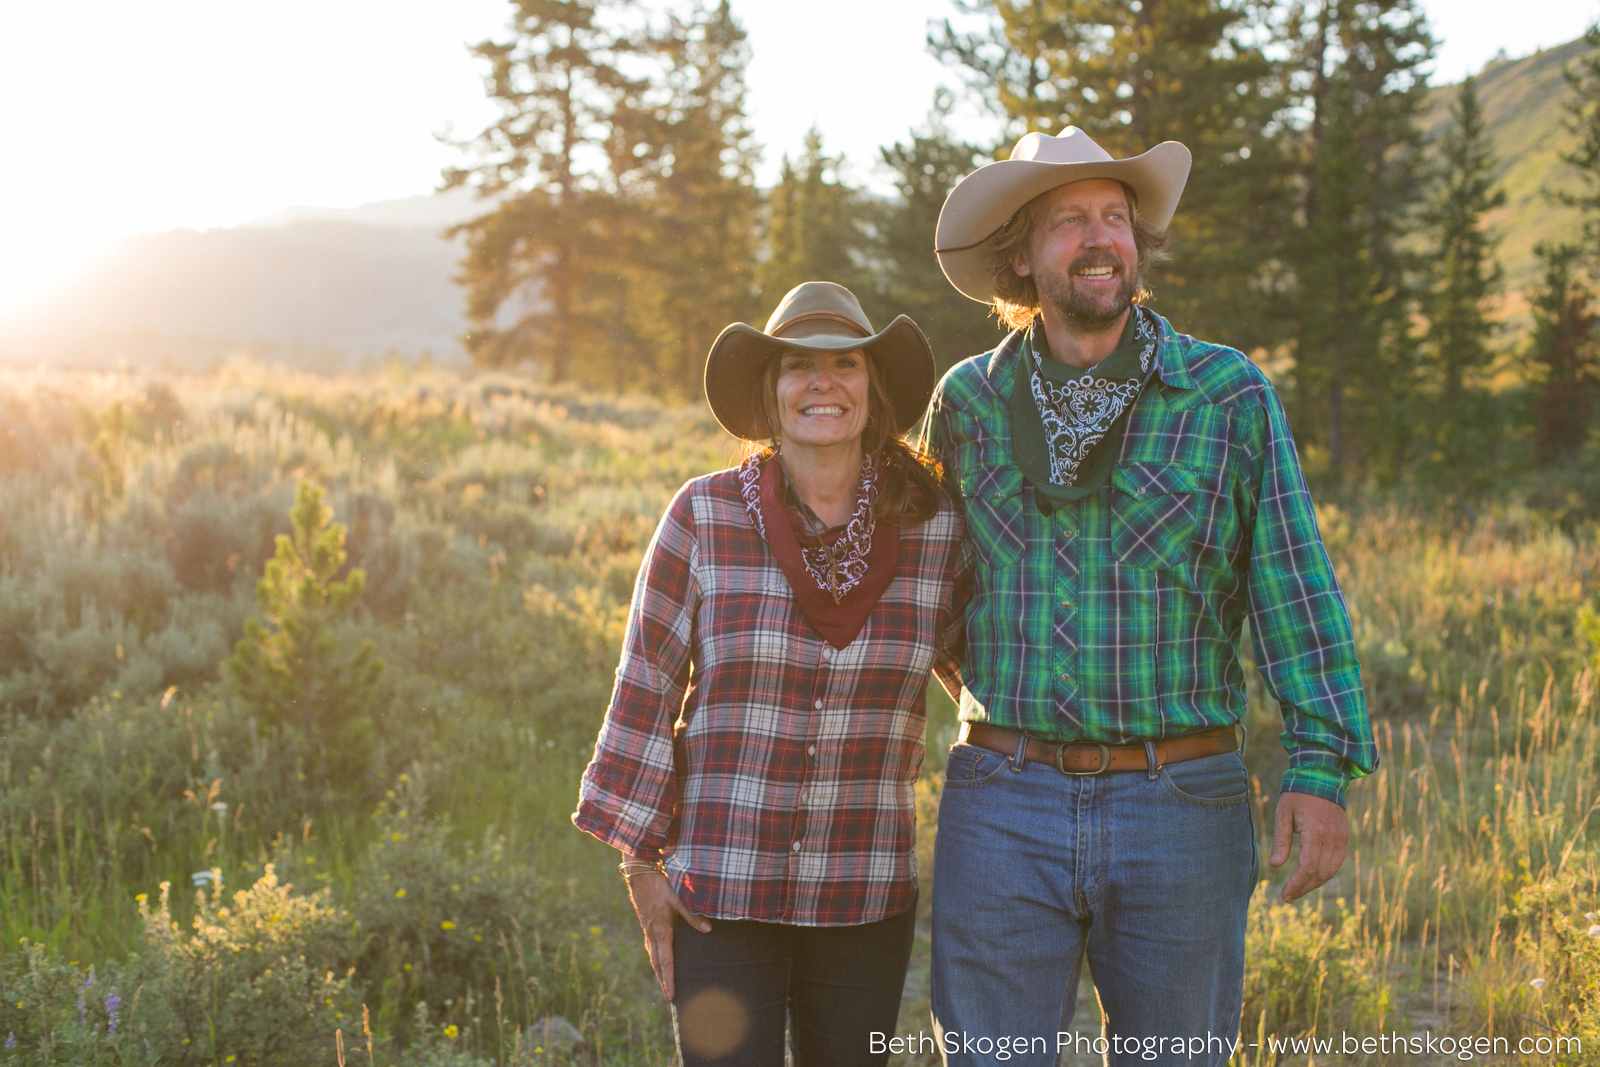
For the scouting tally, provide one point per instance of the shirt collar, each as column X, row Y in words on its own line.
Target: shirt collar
column 1170, row 365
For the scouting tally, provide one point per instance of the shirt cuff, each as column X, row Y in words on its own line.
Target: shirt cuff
column 1317, row 779
column 608, row 829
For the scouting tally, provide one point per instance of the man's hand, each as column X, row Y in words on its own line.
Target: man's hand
column 655, row 904
column 1322, row 827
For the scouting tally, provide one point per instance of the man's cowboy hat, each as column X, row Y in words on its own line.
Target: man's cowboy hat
column 816, row 317
column 985, row 200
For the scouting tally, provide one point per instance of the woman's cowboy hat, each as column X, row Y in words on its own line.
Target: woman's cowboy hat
column 817, row 317
column 985, row 200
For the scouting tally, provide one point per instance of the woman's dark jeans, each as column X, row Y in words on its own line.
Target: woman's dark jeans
column 737, row 986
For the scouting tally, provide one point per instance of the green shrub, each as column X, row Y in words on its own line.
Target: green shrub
column 258, row 982
column 1558, row 940
column 1306, row 974
column 259, row 979
column 438, row 917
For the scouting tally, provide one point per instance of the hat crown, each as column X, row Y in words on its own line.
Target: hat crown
column 813, row 308
column 1071, row 146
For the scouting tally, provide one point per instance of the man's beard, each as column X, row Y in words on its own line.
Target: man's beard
column 1084, row 312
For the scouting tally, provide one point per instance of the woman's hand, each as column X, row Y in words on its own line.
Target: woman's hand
column 655, row 904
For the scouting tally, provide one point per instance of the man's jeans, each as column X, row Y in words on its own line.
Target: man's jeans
column 1150, row 876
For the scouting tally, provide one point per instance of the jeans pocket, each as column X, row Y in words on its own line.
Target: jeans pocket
column 1218, row 781
column 971, row 767
column 1152, row 513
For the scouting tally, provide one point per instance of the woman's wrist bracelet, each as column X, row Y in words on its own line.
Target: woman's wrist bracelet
column 629, row 868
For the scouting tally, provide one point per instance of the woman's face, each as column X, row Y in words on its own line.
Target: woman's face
column 822, row 397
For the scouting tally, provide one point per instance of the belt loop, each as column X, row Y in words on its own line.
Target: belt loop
column 1020, row 760
column 1152, row 764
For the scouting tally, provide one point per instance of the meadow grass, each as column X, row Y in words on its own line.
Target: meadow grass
column 500, row 524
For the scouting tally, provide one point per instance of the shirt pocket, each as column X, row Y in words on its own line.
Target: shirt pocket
column 993, row 501
column 1152, row 513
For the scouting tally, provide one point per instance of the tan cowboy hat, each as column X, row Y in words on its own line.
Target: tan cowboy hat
column 817, row 317
column 985, row 200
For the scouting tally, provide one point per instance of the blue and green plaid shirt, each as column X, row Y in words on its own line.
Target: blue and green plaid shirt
column 1118, row 617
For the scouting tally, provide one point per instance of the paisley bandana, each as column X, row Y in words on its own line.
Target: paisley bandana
column 1079, row 413
column 836, row 564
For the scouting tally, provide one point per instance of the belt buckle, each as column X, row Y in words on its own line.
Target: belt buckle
column 1105, row 759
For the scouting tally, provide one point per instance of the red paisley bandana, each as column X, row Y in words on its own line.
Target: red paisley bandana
column 868, row 553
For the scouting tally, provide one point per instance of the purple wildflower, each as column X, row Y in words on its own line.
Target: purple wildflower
column 112, row 1003
column 11, row 1042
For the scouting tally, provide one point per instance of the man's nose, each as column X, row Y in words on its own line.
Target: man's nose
column 1097, row 234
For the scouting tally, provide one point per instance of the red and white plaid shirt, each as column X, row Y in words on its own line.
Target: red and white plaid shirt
column 774, row 774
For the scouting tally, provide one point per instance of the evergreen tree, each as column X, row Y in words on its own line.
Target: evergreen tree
column 291, row 671
column 1464, row 275
column 1565, row 353
column 1583, row 123
column 1133, row 73
column 909, row 279
column 1355, row 357
column 541, row 269
column 702, row 207
column 814, row 230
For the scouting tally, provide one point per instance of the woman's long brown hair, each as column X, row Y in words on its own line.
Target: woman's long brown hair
column 908, row 478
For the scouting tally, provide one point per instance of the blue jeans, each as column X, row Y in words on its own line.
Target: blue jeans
column 834, row 985
column 1149, row 875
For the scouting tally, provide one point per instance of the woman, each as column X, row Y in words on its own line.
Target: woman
column 757, row 765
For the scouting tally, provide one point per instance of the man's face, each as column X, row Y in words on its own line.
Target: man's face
column 1081, row 254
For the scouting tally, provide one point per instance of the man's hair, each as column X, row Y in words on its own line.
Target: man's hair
column 1016, row 299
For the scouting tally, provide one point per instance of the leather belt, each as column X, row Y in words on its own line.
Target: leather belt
column 1092, row 757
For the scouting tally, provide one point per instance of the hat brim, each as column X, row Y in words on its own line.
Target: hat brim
column 984, row 200
column 740, row 354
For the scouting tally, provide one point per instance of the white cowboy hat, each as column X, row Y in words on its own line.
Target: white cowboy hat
column 985, row 200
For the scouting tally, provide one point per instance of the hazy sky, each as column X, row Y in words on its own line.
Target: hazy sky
column 121, row 118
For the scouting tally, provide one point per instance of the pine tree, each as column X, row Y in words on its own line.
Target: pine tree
column 702, row 208
column 1583, row 123
column 1355, row 357
column 1464, row 275
column 1133, row 73
column 291, row 670
column 814, row 230
column 909, row 279
column 1565, row 353
column 540, row 270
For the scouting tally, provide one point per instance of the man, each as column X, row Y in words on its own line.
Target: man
column 1133, row 495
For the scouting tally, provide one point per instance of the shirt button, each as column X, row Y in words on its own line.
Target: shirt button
column 796, row 846
column 811, row 750
column 817, row 704
column 827, row 653
column 1067, row 678
column 1067, row 604
column 1067, row 535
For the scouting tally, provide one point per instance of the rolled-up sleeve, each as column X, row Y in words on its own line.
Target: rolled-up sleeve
column 629, row 791
column 1299, row 623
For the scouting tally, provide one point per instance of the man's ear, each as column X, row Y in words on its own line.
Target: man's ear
column 1019, row 261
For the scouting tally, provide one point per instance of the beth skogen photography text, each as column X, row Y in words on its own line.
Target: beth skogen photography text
column 717, row 532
